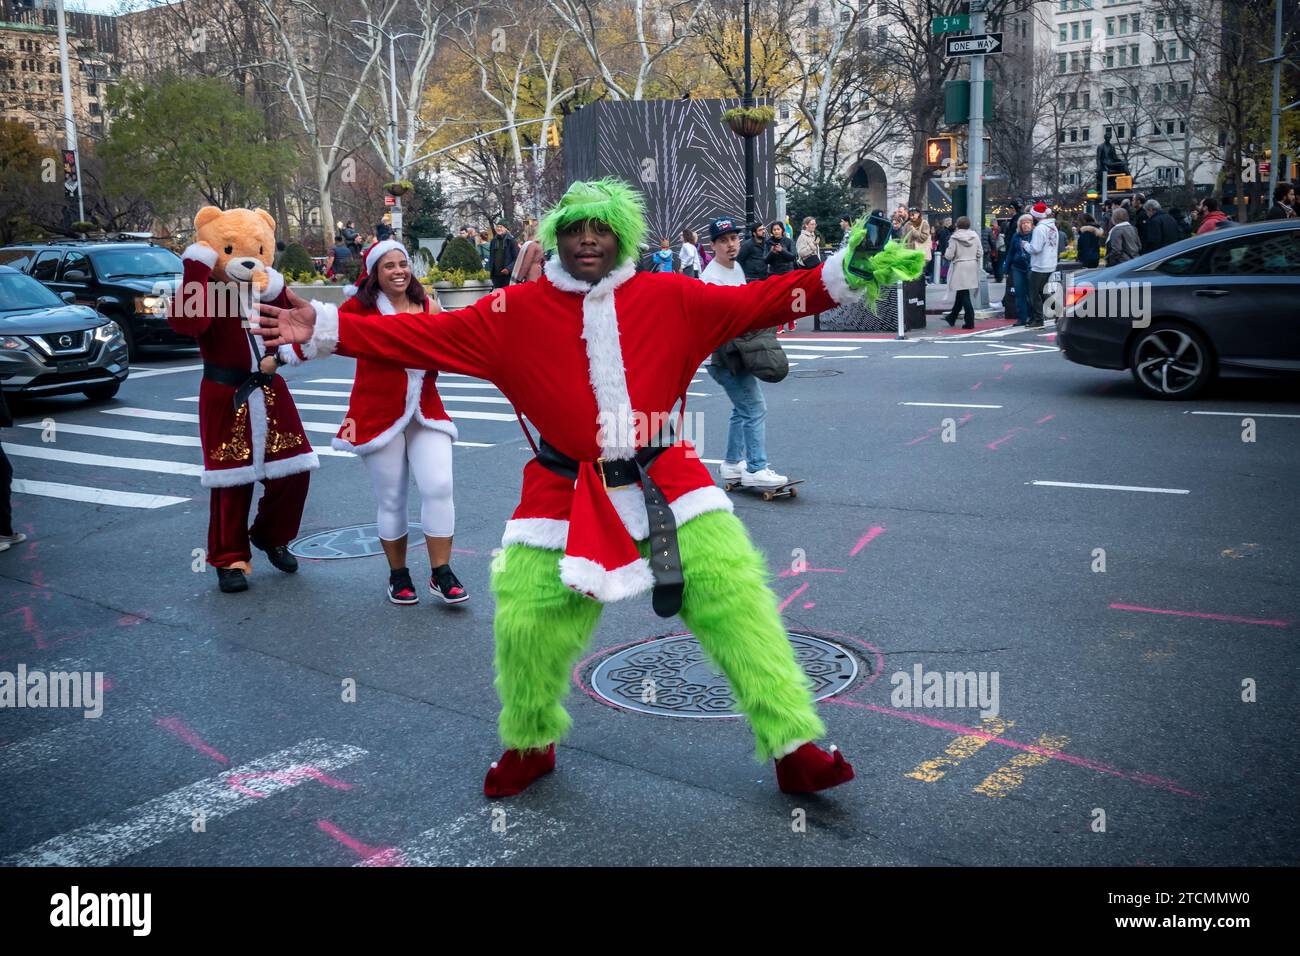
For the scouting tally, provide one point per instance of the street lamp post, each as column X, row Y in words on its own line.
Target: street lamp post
column 748, row 101
column 69, row 123
column 394, row 159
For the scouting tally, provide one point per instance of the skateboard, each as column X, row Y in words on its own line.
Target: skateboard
column 776, row 491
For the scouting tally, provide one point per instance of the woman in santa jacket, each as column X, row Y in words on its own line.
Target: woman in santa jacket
column 397, row 424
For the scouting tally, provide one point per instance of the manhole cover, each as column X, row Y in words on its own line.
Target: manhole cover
column 671, row 676
column 356, row 541
column 817, row 372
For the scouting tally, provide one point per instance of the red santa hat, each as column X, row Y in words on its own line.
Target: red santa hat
column 370, row 260
column 1040, row 210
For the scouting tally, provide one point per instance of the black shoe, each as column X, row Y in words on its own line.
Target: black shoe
column 968, row 326
column 444, row 584
column 231, row 580
column 401, row 590
column 951, row 320
column 279, row 556
column 1033, row 325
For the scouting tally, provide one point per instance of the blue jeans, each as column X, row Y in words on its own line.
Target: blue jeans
column 1020, row 281
column 747, row 432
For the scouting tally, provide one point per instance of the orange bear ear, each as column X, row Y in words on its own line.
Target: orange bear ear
column 205, row 216
column 266, row 218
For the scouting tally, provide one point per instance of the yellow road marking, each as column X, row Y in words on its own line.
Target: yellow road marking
column 967, row 745
column 1005, row 779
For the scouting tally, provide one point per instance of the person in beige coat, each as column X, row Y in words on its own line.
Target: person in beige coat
column 916, row 234
column 965, row 252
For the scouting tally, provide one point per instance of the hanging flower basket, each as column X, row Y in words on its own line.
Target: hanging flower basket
column 749, row 121
column 399, row 188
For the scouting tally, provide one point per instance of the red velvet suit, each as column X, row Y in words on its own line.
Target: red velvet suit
column 262, row 440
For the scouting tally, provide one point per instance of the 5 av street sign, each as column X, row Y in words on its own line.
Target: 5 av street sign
column 972, row 45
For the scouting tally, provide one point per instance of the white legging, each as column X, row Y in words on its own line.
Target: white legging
column 426, row 454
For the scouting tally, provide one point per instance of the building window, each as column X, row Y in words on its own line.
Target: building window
column 1074, row 101
column 1137, row 22
column 1160, row 21
column 1060, row 102
column 1087, row 29
column 1108, row 98
column 1110, row 26
column 1110, row 58
column 1060, row 63
column 1182, row 89
column 1087, row 99
column 812, row 16
column 1087, row 134
column 1155, row 93
column 1074, row 62
column 1074, row 30
column 1064, row 33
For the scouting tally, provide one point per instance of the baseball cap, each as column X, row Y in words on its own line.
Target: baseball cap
column 720, row 227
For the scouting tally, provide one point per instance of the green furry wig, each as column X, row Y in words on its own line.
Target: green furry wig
column 610, row 201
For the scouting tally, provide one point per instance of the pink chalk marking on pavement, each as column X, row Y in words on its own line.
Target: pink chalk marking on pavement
column 928, row 434
column 1006, row 367
column 130, row 620
column 977, row 385
column 1007, row 437
column 377, row 855
column 789, row 572
column 797, row 591
column 176, row 726
column 1230, row 618
column 236, row 780
column 866, row 539
column 1152, row 780
column 809, row 605
column 463, row 551
column 1045, row 418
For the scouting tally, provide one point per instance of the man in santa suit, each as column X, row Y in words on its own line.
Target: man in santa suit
column 596, row 355
column 248, row 423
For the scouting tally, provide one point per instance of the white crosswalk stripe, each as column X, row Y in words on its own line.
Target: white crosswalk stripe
column 518, row 830
column 148, row 824
column 50, row 453
column 94, row 496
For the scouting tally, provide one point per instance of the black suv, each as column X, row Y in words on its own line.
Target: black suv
column 123, row 281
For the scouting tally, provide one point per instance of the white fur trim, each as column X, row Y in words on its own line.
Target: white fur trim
column 307, row 461
column 590, row 578
column 834, row 281
column 791, row 748
column 325, row 338
column 200, row 253
column 605, row 366
column 228, row 477
column 288, row 355
column 629, row 502
column 350, row 290
column 444, row 425
column 274, row 286
column 561, row 279
column 381, row 249
column 549, row 533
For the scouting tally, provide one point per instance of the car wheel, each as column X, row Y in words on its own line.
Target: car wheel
column 132, row 350
column 1172, row 361
column 102, row 393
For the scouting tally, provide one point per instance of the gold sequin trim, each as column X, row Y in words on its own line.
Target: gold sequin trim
column 237, row 449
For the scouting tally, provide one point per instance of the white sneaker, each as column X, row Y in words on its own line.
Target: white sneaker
column 731, row 472
column 766, row 478
column 8, row 540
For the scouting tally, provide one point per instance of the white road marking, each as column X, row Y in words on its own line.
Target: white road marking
column 1072, row 484
column 94, row 496
column 50, row 453
column 107, row 842
column 441, row 383
column 820, row 343
column 922, row 356
column 121, row 434
column 520, row 830
column 1245, row 414
column 947, row 405
column 150, row 372
column 41, row 750
column 308, row 426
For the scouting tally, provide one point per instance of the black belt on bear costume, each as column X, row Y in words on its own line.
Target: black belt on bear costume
column 241, row 380
column 665, row 557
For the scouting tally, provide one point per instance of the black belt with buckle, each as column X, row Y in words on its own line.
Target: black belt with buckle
column 665, row 557
column 240, row 379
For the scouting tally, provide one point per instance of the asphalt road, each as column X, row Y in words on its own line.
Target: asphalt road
column 926, row 538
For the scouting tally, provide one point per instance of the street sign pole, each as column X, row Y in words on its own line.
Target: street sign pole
column 975, row 147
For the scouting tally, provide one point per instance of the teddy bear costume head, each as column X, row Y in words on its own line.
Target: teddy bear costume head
column 244, row 240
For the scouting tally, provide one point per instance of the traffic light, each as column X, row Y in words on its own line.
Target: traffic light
column 553, row 135
column 940, row 151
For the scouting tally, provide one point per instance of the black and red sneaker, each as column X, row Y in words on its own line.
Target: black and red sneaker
column 401, row 590
column 444, row 584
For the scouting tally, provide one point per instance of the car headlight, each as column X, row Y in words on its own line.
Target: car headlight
column 151, row 304
column 108, row 332
column 12, row 343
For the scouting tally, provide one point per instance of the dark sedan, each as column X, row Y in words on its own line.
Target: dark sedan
column 49, row 346
column 1226, row 303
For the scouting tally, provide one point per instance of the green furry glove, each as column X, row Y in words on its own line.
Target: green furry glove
column 893, row 263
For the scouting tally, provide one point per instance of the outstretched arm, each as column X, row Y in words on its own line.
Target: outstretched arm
column 720, row 313
column 465, row 340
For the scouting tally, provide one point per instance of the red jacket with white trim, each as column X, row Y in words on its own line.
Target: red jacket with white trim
column 264, row 437
column 596, row 369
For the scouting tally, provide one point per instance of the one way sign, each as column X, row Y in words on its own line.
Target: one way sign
column 971, row 45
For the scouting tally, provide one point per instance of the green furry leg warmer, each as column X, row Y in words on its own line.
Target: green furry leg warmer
column 730, row 609
column 541, row 627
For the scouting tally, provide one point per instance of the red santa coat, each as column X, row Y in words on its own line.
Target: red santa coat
column 587, row 365
column 385, row 398
column 264, row 437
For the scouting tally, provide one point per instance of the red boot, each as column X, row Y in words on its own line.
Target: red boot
column 810, row 769
column 517, row 769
